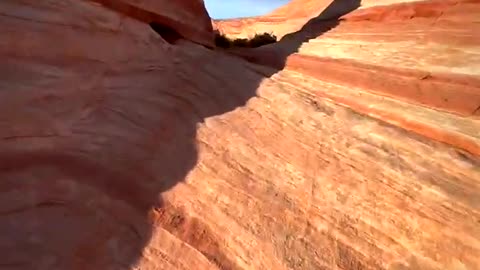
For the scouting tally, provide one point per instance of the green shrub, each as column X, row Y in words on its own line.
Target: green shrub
column 262, row 39
column 241, row 42
column 222, row 41
column 258, row 40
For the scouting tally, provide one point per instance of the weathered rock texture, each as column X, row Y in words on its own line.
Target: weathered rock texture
column 350, row 144
column 294, row 15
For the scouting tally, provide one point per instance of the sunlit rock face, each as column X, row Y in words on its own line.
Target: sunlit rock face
column 128, row 142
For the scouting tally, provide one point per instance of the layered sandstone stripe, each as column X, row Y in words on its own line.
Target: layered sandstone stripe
column 420, row 57
column 292, row 16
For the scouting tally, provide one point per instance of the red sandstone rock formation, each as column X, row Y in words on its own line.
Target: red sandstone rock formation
column 289, row 18
column 294, row 15
column 349, row 144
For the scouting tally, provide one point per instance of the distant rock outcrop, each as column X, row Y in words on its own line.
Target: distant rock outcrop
column 128, row 142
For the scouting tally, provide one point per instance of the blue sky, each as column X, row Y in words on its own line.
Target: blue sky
column 222, row 9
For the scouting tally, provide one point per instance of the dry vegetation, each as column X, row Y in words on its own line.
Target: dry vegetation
column 221, row 40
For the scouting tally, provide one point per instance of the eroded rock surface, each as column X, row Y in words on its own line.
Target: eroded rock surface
column 350, row 144
column 295, row 14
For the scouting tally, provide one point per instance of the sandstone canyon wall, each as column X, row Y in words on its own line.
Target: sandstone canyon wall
column 296, row 13
column 352, row 143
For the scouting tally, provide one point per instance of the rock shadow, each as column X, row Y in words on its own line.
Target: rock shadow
column 276, row 54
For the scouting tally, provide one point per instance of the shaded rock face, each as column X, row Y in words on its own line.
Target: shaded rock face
column 188, row 18
column 127, row 143
column 99, row 116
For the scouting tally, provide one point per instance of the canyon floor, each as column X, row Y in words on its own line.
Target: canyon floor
column 351, row 143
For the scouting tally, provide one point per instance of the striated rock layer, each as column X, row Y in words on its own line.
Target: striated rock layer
column 292, row 16
column 423, row 53
column 126, row 142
